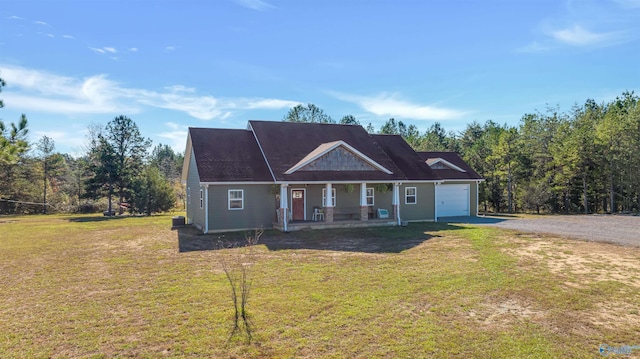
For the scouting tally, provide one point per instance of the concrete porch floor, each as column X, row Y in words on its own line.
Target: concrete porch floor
column 300, row 225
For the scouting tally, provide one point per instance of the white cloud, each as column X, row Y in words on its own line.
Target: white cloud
column 40, row 91
column 170, row 48
column 51, row 35
column 41, row 23
column 103, row 50
column 269, row 104
column 176, row 136
column 133, row 49
column 391, row 105
column 578, row 36
column 14, row 17
column 62, row 138
column 68, row 36
column 258, row 5
column 180, row 88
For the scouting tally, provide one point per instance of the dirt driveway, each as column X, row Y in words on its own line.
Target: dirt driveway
column 623, row 230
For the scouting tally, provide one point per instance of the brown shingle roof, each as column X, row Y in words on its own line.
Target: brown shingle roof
column 231, row 155
column 413, row 167
column 455, row 159
column 286, row 143
column 224, row 155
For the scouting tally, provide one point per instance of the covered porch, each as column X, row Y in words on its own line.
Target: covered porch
column 346, row 223
column 362, row 204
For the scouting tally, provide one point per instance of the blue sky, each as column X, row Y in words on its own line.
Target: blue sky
column 170, row 65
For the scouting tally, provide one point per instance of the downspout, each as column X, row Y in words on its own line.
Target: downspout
column 206, row 208
column 398, row 204
column 477, row 196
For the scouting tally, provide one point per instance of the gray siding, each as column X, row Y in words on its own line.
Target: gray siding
column 424, row 209
column 195, row 215
column 259, row 207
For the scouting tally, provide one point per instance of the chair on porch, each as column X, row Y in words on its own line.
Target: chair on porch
column 318, row 214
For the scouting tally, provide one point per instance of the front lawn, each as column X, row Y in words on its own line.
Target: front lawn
column 83, row 286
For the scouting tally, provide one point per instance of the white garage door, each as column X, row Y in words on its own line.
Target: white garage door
column 453, row 200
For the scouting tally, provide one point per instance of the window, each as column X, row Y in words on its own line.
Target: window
column 370, row 193
column 236, row 199
column 333, row 196
column 410, row 195
column 201, row 199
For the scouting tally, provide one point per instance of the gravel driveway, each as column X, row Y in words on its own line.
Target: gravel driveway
column 624, row 230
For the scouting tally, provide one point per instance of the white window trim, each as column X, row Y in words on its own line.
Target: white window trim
column 373, row 197
column 229, row 199
column 414, row 195
column 201, row 198
column 333, row 196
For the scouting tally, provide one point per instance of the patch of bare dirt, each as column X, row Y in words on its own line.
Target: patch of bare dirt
column 504, row 312
column 583, row 261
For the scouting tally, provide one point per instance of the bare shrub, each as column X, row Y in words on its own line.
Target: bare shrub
column 237, row 269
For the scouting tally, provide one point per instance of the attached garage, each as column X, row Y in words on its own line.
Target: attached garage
column 452, row 200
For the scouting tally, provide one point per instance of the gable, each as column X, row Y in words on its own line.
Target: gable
column 338, row 159
column 289, row 146
column 442, row 164
column 336, row 156
column 451, row 166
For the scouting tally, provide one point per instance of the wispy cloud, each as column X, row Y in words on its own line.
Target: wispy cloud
column 588, row 25
column 68, row 37
column 105, row 50
column 258, row 5
column 170, row 48
column 40, row 91
column 578, row 36
column 41, row 23
column 14, row 17
column 176, row 136
column 133, row 49
column 392, row 105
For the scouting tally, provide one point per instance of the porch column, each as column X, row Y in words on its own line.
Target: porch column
column 396, row 202
column 364, row 209
column 328, row 205
column 284, row 207
column 435, row 201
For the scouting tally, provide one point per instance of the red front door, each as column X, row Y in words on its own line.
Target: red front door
column 297, row 205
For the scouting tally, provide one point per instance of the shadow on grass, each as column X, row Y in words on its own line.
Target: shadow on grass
column 366, row 240
column 97, row 218
column 476, row 220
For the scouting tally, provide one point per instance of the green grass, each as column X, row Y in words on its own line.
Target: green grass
column 83, row 286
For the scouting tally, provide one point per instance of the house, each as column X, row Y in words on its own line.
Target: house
column 290, row 176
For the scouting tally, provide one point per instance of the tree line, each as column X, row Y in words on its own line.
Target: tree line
column 584, row 160
column 119, row 171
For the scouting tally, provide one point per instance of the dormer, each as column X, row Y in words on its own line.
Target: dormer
column 442, row 164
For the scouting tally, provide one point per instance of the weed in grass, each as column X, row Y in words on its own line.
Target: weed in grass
column 237, row 271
